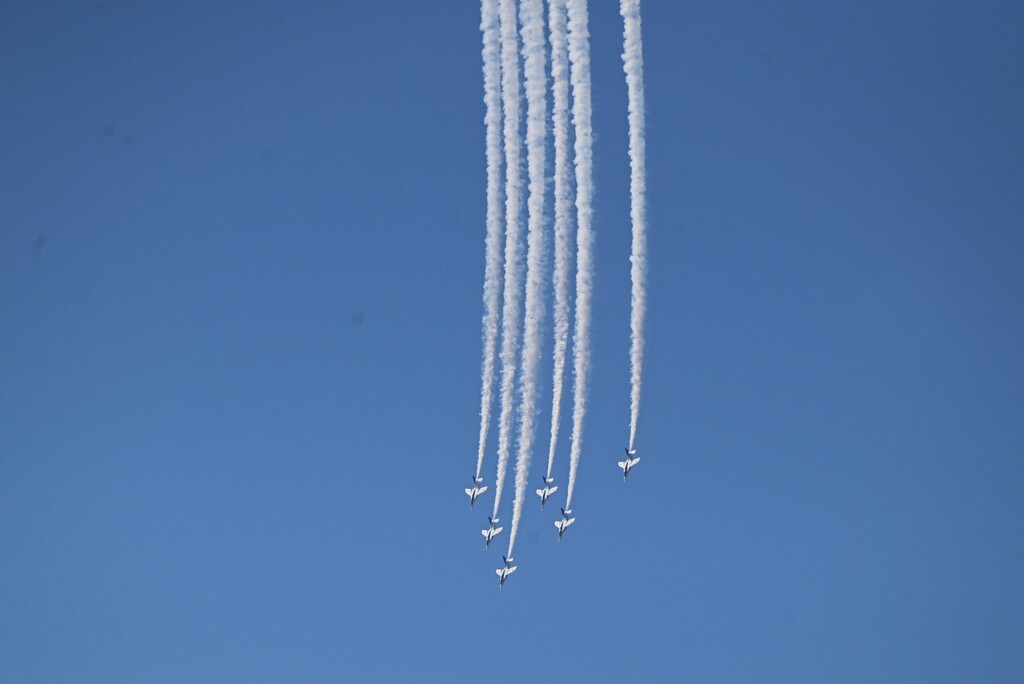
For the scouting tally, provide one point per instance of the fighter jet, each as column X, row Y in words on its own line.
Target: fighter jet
column 628, row 464
column 490, row 533
column 547, row 491
column 476, row 491
column 564, row 523
column 504, row 572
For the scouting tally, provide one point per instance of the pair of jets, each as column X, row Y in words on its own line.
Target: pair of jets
column 493, row 530
column 476, row 490
column 504, row 572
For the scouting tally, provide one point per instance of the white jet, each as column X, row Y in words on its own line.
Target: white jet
column 547, row 491
column 504, row 572
column 491, row 532
column 628, row 464
column 476, row 490
column 564, row 523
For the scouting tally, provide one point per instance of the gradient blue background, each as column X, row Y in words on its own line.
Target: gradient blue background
column 241, row 254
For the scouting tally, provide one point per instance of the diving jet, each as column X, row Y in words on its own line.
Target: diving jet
column 628, row 464
column 547, row 491
column 564, row 523
column 504, row 572
column 491, row 532
column 476, row 490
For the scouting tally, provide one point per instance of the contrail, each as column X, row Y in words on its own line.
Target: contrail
column 492, row 268
column 633, row 64
column 531, row 16
column 579, row 63
column 563, row 209
column 513, row 265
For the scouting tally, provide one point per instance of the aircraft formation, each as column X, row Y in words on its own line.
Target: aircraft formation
column 525, row 49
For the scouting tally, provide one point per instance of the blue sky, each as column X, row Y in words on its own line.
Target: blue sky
column 241, row 256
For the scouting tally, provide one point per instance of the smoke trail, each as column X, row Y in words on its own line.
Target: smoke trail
column 513, row 265
column 563, row 207
column 579, row 62
column 633, row 64
column 492, row 274
column 531, row 16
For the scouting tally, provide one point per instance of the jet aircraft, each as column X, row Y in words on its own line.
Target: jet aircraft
column 504, row 572
column 564, row 523
column 476, row 491
column 547, row 491
column 628, row 464
column 491, row 532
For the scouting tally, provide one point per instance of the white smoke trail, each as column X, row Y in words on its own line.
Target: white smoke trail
column 633, row 64
column 563, row 209
column 513, row 265
column 531, row 16
column 579, row 63
column 492, row 260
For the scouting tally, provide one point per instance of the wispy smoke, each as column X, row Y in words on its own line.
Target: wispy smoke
column 513, row 259
column 492, row 267
column 563, row 211
column 531, row 14
column 579, row 63
column 633, row 64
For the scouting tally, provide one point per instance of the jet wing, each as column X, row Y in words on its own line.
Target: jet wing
column 481, row 490
column 622, row 464
column 510, row 570
column 469, row 492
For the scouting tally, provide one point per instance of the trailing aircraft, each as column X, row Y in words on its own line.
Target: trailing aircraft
column 504, row 572
column 476, row 490
column 547, row 491
column 491, row 532
column 564, row 523
column 628, row 464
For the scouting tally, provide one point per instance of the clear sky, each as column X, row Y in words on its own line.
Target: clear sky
column 241, row 257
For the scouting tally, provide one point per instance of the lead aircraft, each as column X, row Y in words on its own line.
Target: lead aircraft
column 491, row 532
column 547, row 491
column 504, row 572
column 476, row 490
column 564, row 523
column 628, row 464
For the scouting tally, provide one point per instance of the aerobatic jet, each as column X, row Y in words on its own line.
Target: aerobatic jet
column 564, row 523
column 491, row 532
column 547, row 491
column 476, row 491
column 628, row 464
column 504, row 572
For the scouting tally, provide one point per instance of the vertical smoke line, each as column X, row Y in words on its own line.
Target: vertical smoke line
column 492, row 244
column 531, row 15
column 579, row 73
column 633, row 65
column 513, row 258
column 563, row 212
